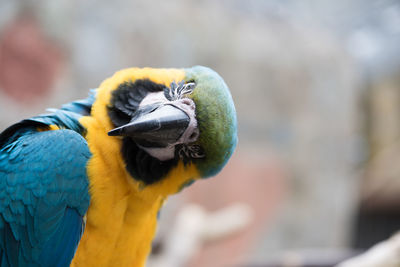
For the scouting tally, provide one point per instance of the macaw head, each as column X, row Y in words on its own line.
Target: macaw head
column 173, row 125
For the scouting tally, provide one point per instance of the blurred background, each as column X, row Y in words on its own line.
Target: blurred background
column 315, row 177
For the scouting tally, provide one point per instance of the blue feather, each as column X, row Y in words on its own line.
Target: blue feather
column 43, row 193
column 60, row 248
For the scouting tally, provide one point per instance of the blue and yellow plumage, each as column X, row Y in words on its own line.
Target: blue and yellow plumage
column 82, row 185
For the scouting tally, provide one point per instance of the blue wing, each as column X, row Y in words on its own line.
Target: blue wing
column 43, row 196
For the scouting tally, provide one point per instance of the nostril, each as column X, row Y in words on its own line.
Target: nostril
column 193, row 136
column 188, row 103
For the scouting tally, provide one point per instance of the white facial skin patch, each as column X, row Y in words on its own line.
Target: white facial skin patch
column 191, row 133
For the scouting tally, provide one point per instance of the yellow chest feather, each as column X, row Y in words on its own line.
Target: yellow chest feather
column 122, row 216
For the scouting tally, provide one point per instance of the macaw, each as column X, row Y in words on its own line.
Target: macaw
column 83, row 184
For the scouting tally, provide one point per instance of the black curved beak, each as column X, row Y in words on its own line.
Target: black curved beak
column 163, row 125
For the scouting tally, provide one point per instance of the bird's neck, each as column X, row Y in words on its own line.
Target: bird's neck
column 122, row 216
column 118, row 233
column 121, row 219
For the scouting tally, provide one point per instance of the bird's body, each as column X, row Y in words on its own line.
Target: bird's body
column 111, row 161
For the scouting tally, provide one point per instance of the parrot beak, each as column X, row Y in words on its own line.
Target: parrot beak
column 162, row 125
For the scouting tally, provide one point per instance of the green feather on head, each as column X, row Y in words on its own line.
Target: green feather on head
column 216, row 118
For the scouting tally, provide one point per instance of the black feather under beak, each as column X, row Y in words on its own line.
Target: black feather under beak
column 159, row 125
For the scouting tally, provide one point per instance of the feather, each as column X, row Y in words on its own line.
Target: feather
column 46, row 177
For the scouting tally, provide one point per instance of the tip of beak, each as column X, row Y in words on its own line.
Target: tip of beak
column 114, row 132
